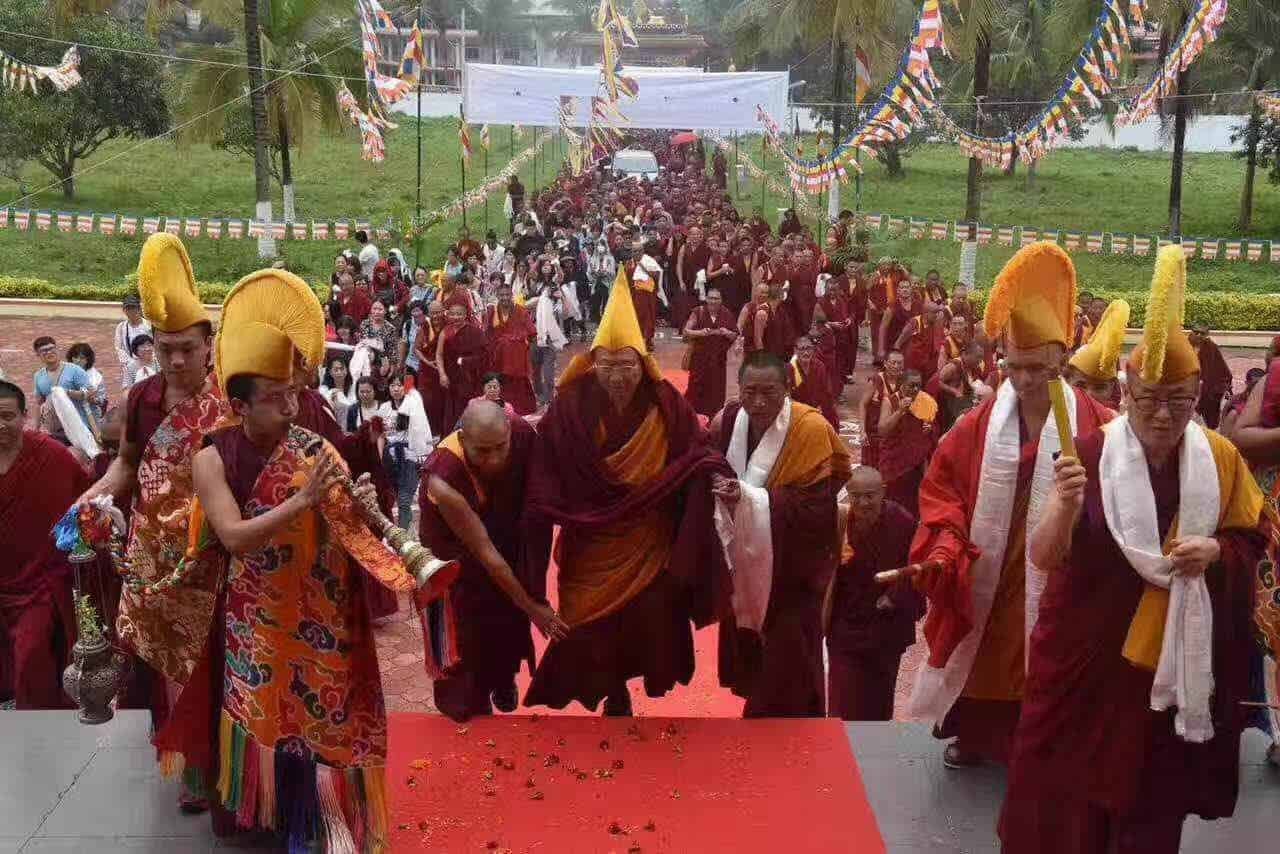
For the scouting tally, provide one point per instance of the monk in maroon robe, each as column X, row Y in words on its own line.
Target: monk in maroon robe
column 901, row 313
column 869, row 625
column 1215, row 376
column 811, row 383
column 471, row 500
column 880, row 387
column 834, row 305
column 511, row 331
column 826, row 349
column 908, row 435
column 743, row 288
column 39, row 480
column 621, row 468
column 765, row 323
column 461, row 353
column 691, row 258
column 711, row 331
column 771, row 652
column 802, row 296
column 1094, row 767
column 428, row 379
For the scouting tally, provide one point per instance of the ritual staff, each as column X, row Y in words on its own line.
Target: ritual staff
column 777, row 518
column 472, row 495
column 1215, row 376
column 959, row 386
column 166, row 419
column 428, row 378
column 1092, row 369
column 908, row 436
column 691, row 259
column 881, row 386
column 1131, row 717
column 621, row 468
column 511, row 331
column 710, row 331
column 974, row 515
column 39, row 480
column 869, row 625
column 296, row 638
column 460, row 362
column 811, row 383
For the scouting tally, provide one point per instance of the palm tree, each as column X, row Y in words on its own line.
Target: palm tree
column 301, row 46
column 970, row 36
column 157, row 12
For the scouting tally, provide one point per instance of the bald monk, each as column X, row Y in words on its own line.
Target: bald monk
column 777, row 517
column 710, row 332
column 472, row 496
column 1131, row 717
column 39, row 480
column 869, row 625
column 975, row 508
column 620, row 466
column 811, row 382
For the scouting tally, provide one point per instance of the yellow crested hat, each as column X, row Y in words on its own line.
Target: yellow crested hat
column 167, row 285
column 1034, row 297
column 1100, row 358
column 1165, row 354
column 268, row 319
column 619, row 329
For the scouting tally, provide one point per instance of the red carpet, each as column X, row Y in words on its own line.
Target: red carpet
column 564, row 785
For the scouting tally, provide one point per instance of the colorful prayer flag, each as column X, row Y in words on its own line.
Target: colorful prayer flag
column 235, row 229
column 341, row 229
column 362, row 225
column 1050, row 236
column 1005, row 235
column 1233, row 250
column 320, row 230
column 1209, row 249
column 940, row 230
column 150, row 224
column 961, row 233
column 257, row 228
column 917, row 228
column 1029, row 235
column 44, row 219
column 107, row 224
column 128, row 225
column 1255, row 250
column 464, row 138
column 22, row 220
column 1141, row 245
column 1094, row 244
column 484, row 136
column 861, row 75
column 64, row 220
column 1120, row 244
column 1071, row 241
column 191, row 227
column 4, row 217
column 1189, row 247
column 213, row 229
column 84, row 223
column 874, row 221
column 278, row 230
column 298, row 230
column 984, row 233
column 172, row 225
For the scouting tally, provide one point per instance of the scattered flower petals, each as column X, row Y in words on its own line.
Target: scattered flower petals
column 489, row 742
column 616, row 828
column 650, row 826
column 675, row 794
column 530, row 783
column 604, row 744
column 617, row 765
column 535, row 796
column 463, row 730
column 488, row 775
column 411, row 781
column 560, row 742
column 634, row 849
column 551, row 759
column 420, row 764
column 402, row 827
column 508, row 765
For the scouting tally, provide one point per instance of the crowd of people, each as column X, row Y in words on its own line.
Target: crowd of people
column 1066, row 583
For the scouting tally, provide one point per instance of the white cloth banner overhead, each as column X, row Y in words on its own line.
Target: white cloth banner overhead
column 669, row 98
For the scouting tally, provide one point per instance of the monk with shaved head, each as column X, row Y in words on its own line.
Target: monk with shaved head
column 473, row 489
column 869, row 625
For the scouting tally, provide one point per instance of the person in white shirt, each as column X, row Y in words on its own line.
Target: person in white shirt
column 133, row 325
column 338, row 388
column 409, row 442
column 143, row 363
column 82, row 354
column 602, row 269
column 548, row 312
column 368, row 256
column 494, row 254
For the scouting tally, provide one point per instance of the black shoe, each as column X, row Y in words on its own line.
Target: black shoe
column 618, row 705
column 505, row 699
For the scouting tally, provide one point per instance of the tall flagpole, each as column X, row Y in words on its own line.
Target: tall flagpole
column 417, row 217
column 462, row 159
column 485, row 143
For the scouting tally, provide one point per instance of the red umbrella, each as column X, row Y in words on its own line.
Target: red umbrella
column 684, row 138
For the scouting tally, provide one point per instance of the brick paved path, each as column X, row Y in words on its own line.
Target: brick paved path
column 399, row 638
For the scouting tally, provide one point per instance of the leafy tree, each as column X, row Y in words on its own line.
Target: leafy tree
column 121, row 95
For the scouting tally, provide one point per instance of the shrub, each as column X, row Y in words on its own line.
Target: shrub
column 212, row 293
column 1221, row 310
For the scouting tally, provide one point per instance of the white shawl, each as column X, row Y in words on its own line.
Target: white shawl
column 549, row 333
column 746, row 535
column 1184, row 675
column 73, row 426
column 937, row 689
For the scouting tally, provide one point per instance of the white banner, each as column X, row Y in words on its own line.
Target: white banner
column 669, row 98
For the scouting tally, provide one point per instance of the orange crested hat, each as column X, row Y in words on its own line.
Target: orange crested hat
column 270, row 320
column 619, row 329
column 167, row 285
column 1100, row 358
column 1165, row 354
column 1034, row 298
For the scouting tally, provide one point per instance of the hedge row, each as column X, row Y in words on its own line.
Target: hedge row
column 1223, row 310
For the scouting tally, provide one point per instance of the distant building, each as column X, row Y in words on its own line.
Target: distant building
column 662, row 33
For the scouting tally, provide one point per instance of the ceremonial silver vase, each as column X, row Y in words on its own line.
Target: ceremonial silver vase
column 93, row 678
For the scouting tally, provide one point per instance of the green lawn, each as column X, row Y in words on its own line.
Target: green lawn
column 1079, row 190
